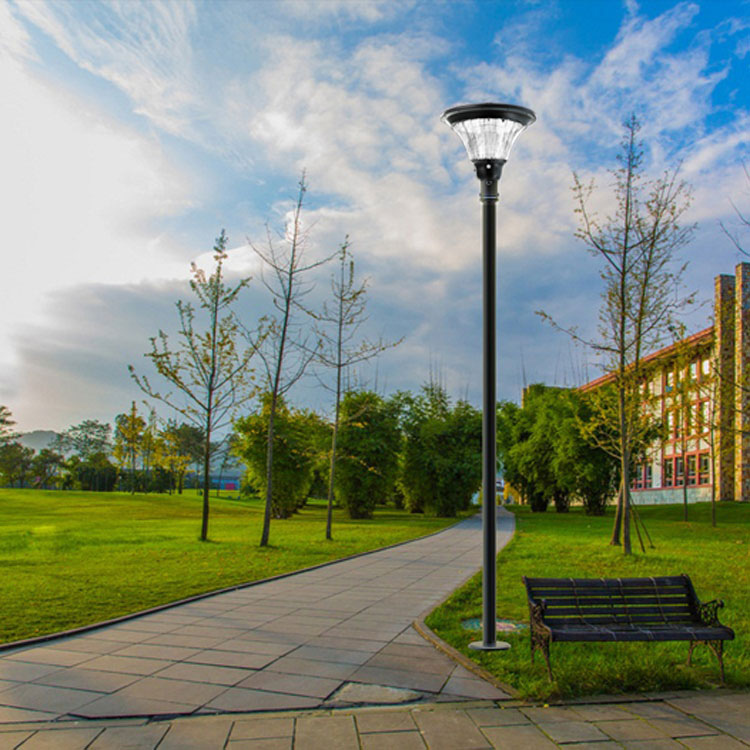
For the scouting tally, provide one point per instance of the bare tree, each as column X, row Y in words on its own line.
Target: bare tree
column 642, row 293
column 341, row 347
column 743, row 220
column 206, row 367
column 286, row 351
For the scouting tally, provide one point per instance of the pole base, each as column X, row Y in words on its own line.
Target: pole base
column 496, row 646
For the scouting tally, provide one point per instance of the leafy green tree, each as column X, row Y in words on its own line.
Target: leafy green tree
column 15, row 463
column 207, row 368
column 368, row 444
column 129, row 429
column 294, row 454
column 6, row 424
column 96, row 473
column 45, row 466
column 87, row 438
column 441, row 465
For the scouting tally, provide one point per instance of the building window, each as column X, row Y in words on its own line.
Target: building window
column 668, row 473
column 679, row 472
column 704, row 468
column 693, row 370
column 649, row 480
column 706, row 366
column 670, row 381
column 692, row 463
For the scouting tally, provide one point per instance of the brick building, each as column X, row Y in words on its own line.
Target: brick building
column 701, row 389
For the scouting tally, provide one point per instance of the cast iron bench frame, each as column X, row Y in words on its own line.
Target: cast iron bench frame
column 661, row 608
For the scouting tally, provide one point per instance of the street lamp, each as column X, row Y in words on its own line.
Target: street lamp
column 488, row 132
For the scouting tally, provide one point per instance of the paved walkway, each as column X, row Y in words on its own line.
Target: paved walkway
column 339, row 635
column 682, row 721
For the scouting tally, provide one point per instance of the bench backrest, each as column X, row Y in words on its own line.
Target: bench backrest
column 603, row 601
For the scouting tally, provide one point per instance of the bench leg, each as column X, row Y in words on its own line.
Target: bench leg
column 717, row 647
column 541, row 641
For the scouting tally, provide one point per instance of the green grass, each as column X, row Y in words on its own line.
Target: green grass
column 562, row 545
column 75, row 558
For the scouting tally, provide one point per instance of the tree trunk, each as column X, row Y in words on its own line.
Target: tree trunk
column 269, row 475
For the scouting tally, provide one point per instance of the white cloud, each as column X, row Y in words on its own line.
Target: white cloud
column 81, row 198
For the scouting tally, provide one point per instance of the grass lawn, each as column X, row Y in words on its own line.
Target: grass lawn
column 75, row 558
column 562, row 545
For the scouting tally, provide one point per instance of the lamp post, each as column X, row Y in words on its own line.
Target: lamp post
column 488, row 132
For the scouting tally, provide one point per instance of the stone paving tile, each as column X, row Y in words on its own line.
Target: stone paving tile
column 245, row 699
column 185, row 641
column 11, row 740
column 348, row 644
column 397, row 678
column 61, row 739
column 269, row 744
column 473, row 688
column 127, row 664
column 329, row 732
column 46, row 698
column 496, row 717
column 147, row 625
column 148, row 651
column 53, row 656
column 392, row 741
column 518, row 738
column 682, row 727
column 277, row 682
column 318, row 653
column 665, row 744
column 10, row 715
column 175, row 691
column 719, row 742
column 205, row 631
column 242, row 645
column 332, row 670
column 5, row 684
column 631, row 729
column 603, row 712
column 449, row 730
column 119, row 636
column 572, row 731
column 132, row 738
column 86, row 679
column 262, row 728
column 539, row 714
column 123, row 705
column 440, row 665
column 385, row 721
column 231, row 659
column 91, row 645
column 205, row 673
column 197, row 734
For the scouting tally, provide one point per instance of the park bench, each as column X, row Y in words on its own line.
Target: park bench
column 663, row 608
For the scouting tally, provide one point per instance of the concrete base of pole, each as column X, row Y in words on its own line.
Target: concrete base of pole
column 496, row 646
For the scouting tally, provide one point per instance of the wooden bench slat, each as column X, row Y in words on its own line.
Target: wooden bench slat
column 641, row 591
column 653, row 612
column 594, row 601
column 620, row 619
column 608, row 582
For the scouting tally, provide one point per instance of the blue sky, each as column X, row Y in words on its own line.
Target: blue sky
column 132, row 132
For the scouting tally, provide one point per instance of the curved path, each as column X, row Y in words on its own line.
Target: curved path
column 339, row 635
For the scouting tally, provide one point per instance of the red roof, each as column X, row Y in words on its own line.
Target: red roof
column 697, row 339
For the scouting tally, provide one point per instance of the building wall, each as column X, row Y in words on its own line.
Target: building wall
column 716, row 366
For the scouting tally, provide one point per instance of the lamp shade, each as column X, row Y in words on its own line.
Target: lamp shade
column 488, row 130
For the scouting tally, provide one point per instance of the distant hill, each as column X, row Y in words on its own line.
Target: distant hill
column 37, row 439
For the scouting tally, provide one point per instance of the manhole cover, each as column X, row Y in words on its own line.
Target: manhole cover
column 503, row 626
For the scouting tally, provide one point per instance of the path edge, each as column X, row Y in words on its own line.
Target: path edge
column 429, row 635
column 36, row 640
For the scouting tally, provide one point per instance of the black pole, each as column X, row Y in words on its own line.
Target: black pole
column 488, row 173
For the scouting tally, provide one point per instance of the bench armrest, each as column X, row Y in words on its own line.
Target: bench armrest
column 708, row 612
column 536, row 611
